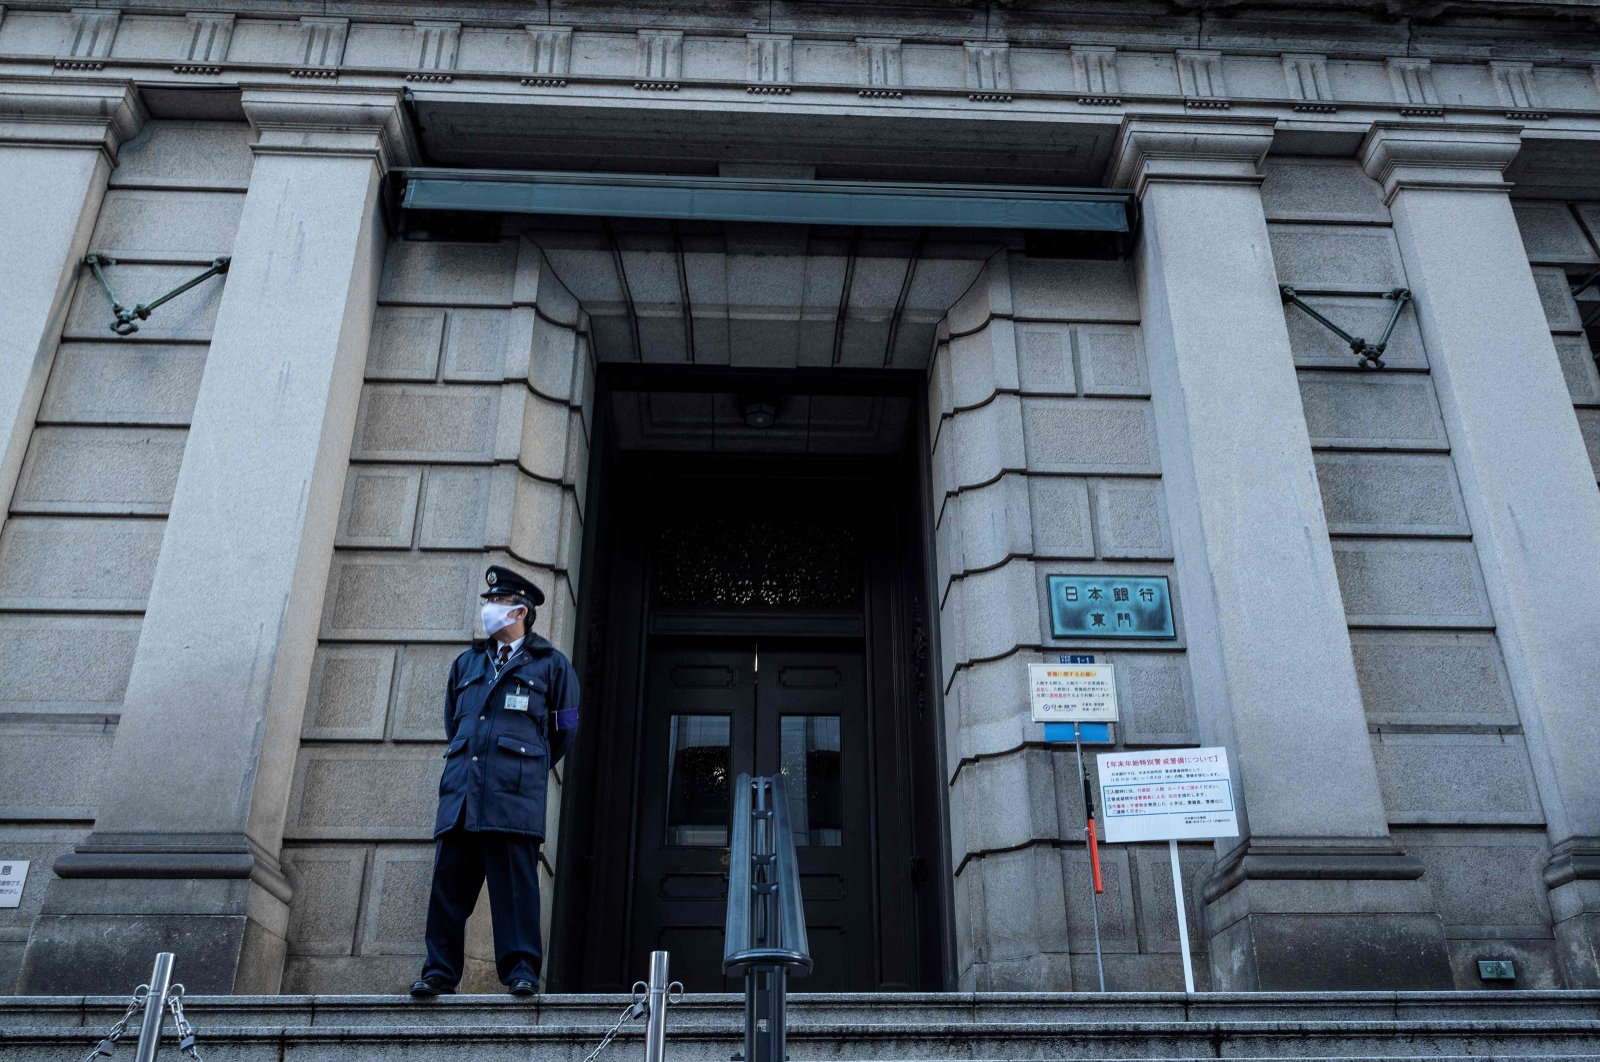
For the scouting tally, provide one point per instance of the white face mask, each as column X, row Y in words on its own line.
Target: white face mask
column 496, row 616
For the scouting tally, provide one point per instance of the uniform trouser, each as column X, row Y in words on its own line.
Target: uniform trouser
column 462, row 860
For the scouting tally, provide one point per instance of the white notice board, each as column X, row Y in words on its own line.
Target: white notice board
column 1073, row 693
column 1167, row 794
column 13, row 876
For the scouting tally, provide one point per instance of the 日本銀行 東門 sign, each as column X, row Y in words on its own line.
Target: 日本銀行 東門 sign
column 1110, row 606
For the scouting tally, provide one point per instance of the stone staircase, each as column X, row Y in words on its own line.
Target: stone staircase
column 843, row 1028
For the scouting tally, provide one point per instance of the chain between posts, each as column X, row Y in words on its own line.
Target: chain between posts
column 135, row 1003
column 186, row 1042
column 639, row 1008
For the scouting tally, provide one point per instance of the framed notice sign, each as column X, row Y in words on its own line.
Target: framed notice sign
column 1167, row 794
column 1073, row 693
column 13, row 876
column 1110, row 606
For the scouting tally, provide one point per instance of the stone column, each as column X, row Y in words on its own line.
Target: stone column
column 191, row 816
column 58, row 142
column 1314, row 894
column 1525, row 476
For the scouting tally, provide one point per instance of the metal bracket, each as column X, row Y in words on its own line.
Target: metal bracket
column 126, row 315
column 1371, row 354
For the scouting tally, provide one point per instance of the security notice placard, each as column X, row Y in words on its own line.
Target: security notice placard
column 1167, row 794
column 1073, row 693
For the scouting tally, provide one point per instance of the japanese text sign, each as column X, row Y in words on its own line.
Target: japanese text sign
column 13, row 875
column 1110, row 606
column 1167, row 794
column 1073, row 693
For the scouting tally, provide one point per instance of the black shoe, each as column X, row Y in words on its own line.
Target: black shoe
column 425, row 987
column 523, row 986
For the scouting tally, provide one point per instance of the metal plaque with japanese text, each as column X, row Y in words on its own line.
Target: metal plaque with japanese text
column 1110, row 606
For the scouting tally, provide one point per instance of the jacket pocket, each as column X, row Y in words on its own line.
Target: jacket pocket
column 454, row 775
column 516, row 764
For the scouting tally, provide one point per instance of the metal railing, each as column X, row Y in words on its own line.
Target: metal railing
column 153, row 999
column 765, row 933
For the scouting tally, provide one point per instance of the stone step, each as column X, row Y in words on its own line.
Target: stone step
column 858, row 1028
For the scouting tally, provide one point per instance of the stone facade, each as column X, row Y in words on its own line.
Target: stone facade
column 1384, row 573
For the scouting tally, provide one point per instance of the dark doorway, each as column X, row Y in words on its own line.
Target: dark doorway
column 756, row 613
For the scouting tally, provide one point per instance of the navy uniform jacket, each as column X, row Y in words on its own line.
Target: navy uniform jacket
column 498, row 759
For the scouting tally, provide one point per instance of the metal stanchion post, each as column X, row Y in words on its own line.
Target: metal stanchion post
column 660, row 989
column 154, row 1009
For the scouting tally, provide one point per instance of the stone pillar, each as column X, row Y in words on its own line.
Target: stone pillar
column 1314, row 894
column 1525, row 476
column 58, row 142
column 191, row 816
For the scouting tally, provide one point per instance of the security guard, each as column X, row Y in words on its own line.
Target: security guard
column 510, row 710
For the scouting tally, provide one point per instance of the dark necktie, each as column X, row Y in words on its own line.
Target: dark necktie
column 505, row 654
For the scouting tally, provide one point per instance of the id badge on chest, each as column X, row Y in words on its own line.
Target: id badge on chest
column 517, row 701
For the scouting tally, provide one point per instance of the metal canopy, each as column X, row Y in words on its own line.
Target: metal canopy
column 793, row 202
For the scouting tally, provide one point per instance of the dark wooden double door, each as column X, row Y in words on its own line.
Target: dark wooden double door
column 762, row 621
column 716, row 708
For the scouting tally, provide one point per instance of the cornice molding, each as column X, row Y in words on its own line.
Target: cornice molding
column 1401, row 155
column 329, row 121
column 1209, row 150
column 62, row 112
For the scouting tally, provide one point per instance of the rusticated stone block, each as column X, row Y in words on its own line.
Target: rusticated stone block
column 1019, row 904
column 997, row 610
column 1551, row 234
column 480, row 344
column 1062, row 526
column 396, row 903
column 179, row 223
column 146, row 383
column 455, row 508
column 1589, row 426
column 1044, row 359
column 36, row 675
column 978, row 446
column 1555, row 293
column 379, row 510
column 327, row 896
column 52, row 562
column 1433, row 677
column 114, row 471
column 1377, row 411
column 1577, row 365
column 988, row 703
column 536, row 521
column 1119, row 931
column 405, row 343
column 1111, row 359
column 409, row 422
column 376, row 597
column 1154, row 698
column 1336, row 257
column 1460, row 779
column 187, row 154
column 1411, row 584
column 1158, row 908
column 40, row 846
column 1317, row 189
column 1089, row 435
column 54, row 770
column 1486, row 882
column 420, row 692
column 1062, row 289
column 1391, row 494
column 1009, row 800
column 556, row 364
column 348, row 698
column 1131, row 519
column 983, row 363
column 354, row 793
column 450, row 274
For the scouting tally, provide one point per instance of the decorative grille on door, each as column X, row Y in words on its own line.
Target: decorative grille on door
column 757, row 563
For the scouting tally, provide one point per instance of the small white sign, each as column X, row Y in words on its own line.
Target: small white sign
column 1073, row 693
column 13, row 875
column 1167, row 794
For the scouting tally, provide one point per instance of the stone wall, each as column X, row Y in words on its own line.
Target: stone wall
column 79, row 544
column 1563, row 244
column 1447, row 739
column 471, row 448
column 1044, row 460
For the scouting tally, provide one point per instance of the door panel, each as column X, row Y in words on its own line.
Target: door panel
column 715, row 709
